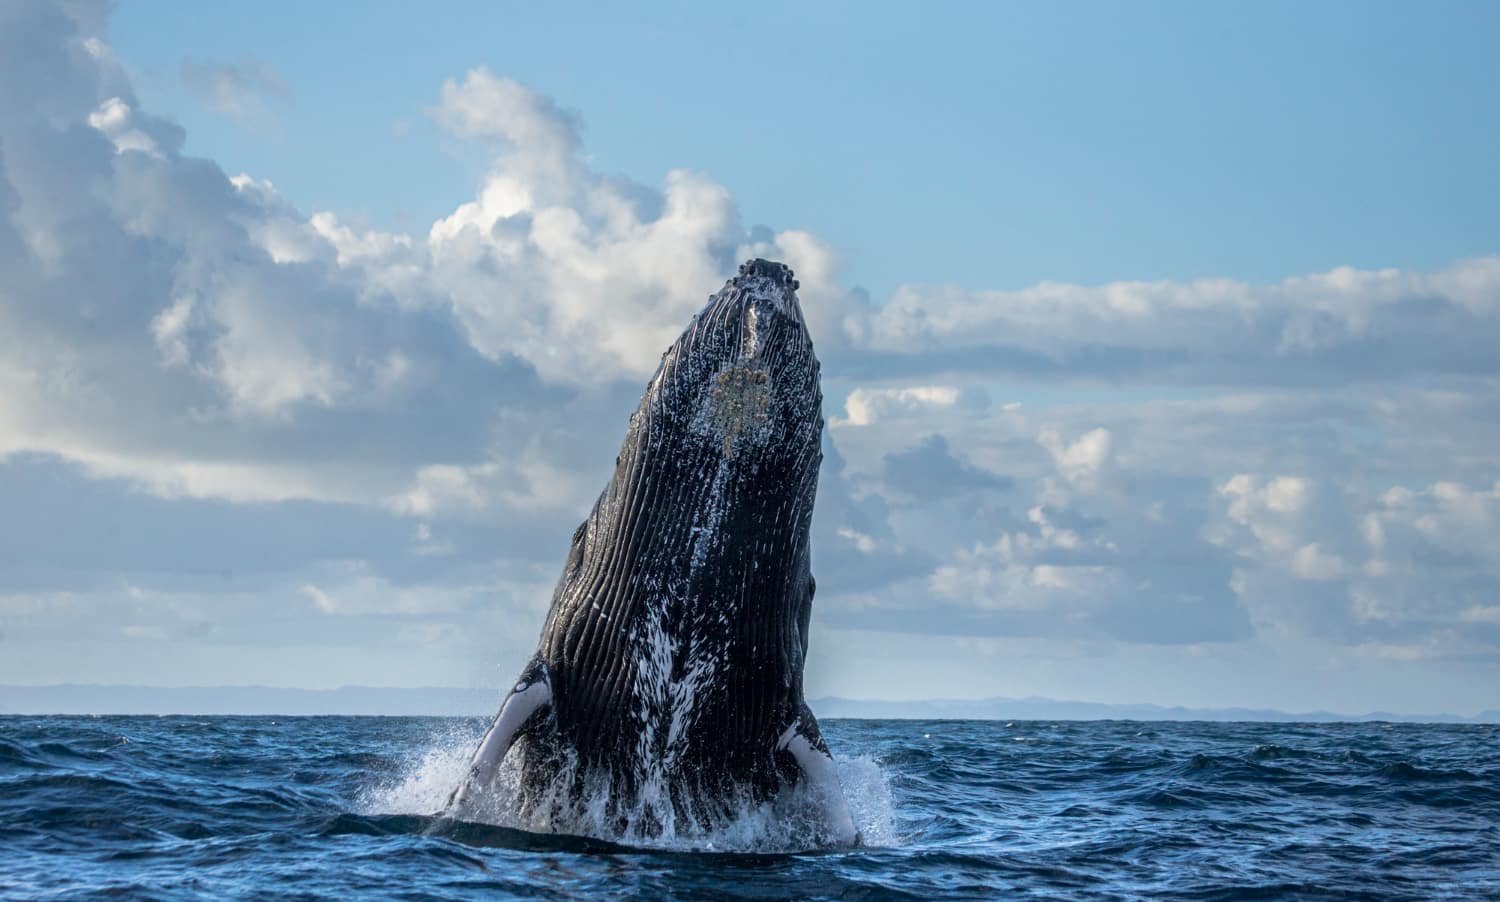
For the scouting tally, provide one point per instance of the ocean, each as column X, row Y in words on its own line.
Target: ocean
column 339, row 807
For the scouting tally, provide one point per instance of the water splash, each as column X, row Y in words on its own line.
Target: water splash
column 425, row 780
column 791, row 822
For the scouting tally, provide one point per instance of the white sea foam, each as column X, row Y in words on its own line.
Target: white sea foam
column 425, row 781
column 791, row 822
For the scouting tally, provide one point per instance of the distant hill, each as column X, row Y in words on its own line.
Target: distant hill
column 451, row 702
column 1033, row 708
column 92, row 699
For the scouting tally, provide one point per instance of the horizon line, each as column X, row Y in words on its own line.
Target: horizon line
column 844, row 703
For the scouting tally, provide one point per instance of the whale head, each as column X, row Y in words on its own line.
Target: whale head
column 742, row 377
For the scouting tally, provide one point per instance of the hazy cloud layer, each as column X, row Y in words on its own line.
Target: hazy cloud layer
column 1343, row 326
column 238, row 88
column 227, row 421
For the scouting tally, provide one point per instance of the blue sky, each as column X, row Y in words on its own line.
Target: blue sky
column 1157, row 339
column 988, row 145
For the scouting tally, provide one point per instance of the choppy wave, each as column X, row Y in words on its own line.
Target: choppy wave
column 214, row 807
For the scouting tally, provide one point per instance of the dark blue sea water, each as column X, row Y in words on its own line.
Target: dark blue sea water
column 328, row 807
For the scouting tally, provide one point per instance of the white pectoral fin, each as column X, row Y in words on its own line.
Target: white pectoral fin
column 818, row 769
column 524, row 701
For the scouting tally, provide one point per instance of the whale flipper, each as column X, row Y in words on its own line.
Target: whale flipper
column 529, row 699
column 804, row 742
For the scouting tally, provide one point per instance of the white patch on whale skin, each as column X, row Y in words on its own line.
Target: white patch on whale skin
column 706, row 529
column 750, row 333
column 518, row 707
column 654, row 651
column 822, row 778
column 666, row 707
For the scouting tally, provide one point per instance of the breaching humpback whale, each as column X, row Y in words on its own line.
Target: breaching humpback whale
column 669, row 670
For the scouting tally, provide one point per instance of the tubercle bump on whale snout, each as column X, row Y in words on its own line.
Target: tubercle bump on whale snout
column 766, row 280
column 770, row 269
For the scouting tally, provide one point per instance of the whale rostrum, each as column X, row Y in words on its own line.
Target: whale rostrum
column 670, row 664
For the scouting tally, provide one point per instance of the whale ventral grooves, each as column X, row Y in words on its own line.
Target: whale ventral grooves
column 671, row 661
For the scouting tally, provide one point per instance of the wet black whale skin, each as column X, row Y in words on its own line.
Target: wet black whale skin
column 688, row 589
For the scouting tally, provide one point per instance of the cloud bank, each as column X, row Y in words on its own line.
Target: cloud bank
column 378, row 442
